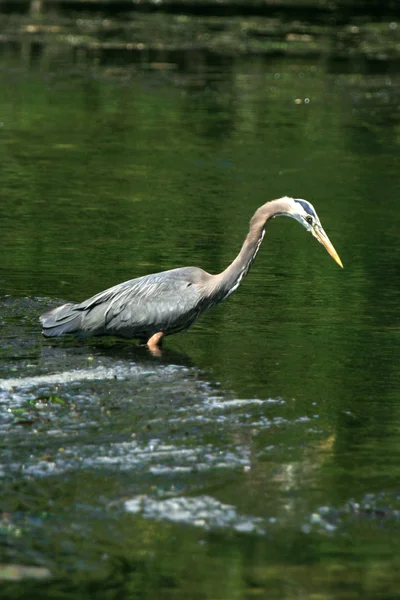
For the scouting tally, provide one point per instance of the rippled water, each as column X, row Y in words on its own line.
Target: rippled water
column 258, row 455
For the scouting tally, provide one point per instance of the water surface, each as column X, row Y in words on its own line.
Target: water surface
column 258, row 456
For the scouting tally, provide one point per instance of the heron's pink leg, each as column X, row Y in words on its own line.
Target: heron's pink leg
column 154, row 342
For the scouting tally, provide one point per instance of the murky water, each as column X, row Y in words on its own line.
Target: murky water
column 259, row 455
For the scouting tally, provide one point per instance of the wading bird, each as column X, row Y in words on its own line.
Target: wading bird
column 151, row 307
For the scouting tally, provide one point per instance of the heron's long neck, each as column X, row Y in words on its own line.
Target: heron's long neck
column 229, row 280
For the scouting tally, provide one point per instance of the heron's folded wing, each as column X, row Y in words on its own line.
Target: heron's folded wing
column 162, row 300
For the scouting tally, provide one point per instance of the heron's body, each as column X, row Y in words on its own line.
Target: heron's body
column 150, row 307
column 133, row 309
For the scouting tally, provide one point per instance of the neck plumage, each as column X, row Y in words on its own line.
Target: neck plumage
column 229, row 280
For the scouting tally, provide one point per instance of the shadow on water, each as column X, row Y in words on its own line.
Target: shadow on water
column 114, row 349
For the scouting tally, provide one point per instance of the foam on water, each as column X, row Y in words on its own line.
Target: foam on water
column 201, row 511
column 77, row 375
column 155, row 457
column 209, row 513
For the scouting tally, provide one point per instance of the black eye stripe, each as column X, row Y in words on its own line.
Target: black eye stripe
column 306, row 207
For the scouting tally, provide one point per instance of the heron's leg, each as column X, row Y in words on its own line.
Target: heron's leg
column 155, row 341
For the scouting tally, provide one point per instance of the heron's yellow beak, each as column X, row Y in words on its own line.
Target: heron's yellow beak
column 321, row 236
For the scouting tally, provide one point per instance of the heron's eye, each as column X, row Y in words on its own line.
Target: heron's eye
column 309, row 220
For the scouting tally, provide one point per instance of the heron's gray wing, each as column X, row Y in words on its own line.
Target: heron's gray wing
column 167, row 301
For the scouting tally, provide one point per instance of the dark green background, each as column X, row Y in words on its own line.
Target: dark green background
column 107, row 175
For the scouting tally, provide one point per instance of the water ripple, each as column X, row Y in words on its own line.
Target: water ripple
column 200, row 511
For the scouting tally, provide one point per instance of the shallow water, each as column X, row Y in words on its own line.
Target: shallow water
column 258, row 456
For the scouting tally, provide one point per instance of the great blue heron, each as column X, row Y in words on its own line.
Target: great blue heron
column 151, row 307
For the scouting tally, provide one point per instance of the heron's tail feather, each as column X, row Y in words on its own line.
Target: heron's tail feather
column 60, row 320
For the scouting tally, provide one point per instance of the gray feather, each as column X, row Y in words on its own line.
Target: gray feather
column 169, row 302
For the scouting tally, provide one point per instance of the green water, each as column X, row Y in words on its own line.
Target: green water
column 282, row 403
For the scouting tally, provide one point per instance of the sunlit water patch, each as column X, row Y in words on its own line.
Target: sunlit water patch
column 201, row 511
column 69, row 377
column 154, row 458
column 209, row 513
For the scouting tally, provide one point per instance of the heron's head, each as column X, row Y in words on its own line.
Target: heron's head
column 305, row 213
